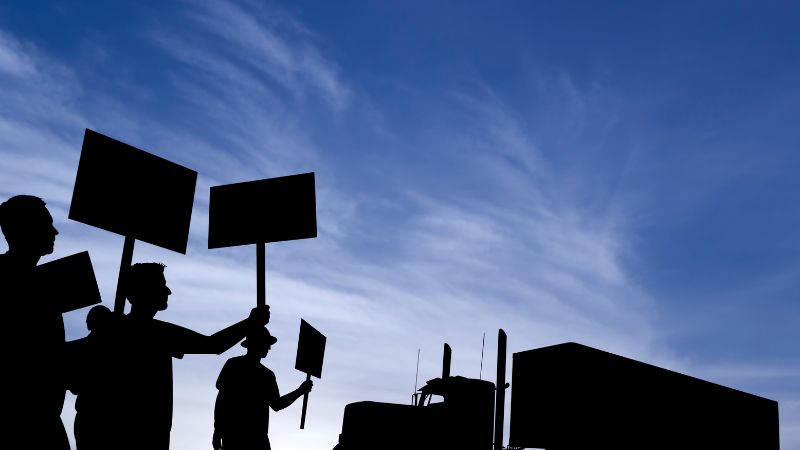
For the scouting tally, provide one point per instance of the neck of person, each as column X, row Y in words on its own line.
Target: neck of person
column 253, row 356
column 142, row 313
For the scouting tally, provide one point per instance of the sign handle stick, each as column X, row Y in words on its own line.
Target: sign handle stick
column 124, row 265
column 305, row 405
column 262, row 274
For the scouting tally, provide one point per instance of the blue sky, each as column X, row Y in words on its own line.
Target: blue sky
column 619, row 175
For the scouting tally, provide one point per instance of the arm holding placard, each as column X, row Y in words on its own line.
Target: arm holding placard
column 192, row 342
column 286, row 400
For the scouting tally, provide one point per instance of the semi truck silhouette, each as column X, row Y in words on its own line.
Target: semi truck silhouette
column 567, row 397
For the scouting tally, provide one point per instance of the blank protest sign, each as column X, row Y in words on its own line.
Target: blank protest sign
column 128, row 191
column 262, row 211
column 310, row 354
column 310, row 350
column 68, row 281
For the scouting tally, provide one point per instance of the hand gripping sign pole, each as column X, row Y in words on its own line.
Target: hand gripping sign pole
column 310, row 353
column 130, row 192
column 262, row 211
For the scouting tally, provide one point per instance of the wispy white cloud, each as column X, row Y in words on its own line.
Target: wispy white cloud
column 35, row 119
column 13, row 59
column 254, row 39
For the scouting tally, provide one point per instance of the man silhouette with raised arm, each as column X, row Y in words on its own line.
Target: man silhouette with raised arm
column 32, row 332
column 247, row 390
column 142, row 403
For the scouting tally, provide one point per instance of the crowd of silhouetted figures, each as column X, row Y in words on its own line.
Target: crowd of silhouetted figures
column 121, row 372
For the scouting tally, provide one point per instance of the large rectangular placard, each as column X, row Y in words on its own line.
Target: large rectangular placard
column 262, row 211
column 128, row 191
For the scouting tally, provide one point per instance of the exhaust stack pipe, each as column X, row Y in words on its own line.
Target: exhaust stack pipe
column 500, row 396
column 448, row 352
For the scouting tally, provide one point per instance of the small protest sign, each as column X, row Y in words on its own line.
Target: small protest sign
column 69, row 281
column 310, row 354
column 310, row 350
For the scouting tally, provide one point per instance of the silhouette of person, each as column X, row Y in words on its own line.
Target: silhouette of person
column 141, row 407
column 33, row 331
column 247, row 390
column 91, row 385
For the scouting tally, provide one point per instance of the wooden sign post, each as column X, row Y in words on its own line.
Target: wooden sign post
column 130, row 192
column 310, row 354
column 262, row 211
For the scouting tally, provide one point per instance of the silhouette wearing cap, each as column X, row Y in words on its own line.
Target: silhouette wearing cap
column 138, row 403
column 32, row 329
column 247, row 390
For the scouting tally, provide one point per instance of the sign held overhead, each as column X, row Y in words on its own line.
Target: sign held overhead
column 128, row 191
column 262, row 211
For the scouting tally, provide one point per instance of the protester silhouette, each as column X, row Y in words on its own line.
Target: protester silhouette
column 32, row 332
column 247, row 390
column 92, row 359
column 138, row 404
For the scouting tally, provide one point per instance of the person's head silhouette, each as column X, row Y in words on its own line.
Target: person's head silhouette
column 147, row 289
column 98, row 318
column 259, row 342
column 28, row 227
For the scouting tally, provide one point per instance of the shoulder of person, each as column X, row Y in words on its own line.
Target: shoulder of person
column 236, row 360
column 168, row 327
column 235, row 363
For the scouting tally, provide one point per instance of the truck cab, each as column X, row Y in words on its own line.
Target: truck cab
column 463, row 419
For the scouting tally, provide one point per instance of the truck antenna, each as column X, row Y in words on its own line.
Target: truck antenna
column 416, row 379
column 483, row 344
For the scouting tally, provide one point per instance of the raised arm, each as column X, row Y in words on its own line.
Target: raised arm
column 188, row 341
